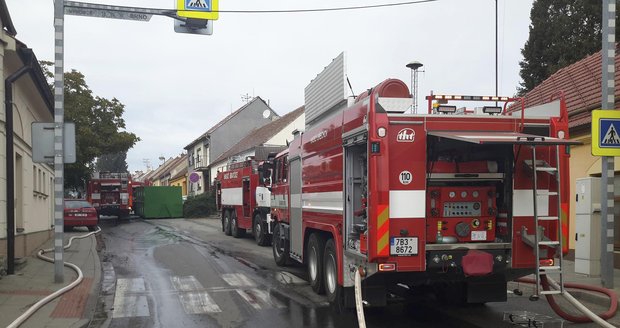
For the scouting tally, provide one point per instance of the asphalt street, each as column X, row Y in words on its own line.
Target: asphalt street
column 187, row 273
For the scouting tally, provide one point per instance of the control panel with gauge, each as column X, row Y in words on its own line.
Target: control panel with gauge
column 458, row 214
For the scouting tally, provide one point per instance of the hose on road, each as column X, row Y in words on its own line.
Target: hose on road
column 590, row 316
column 359, row 306
column 22, row 318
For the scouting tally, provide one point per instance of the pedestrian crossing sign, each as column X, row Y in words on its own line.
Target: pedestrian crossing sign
column 605, row 129
column 198, row 9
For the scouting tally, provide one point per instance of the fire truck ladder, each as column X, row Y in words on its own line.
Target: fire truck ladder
column 538, row 240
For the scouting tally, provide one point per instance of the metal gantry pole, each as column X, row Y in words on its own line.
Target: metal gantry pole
column 607, row 168
column 59, row 118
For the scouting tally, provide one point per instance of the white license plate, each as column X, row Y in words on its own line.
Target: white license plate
column 403, row 246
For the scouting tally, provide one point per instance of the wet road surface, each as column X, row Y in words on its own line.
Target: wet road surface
column 187, row 273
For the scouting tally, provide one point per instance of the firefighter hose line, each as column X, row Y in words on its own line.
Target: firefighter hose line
column 590, row 316
column 22, row 318
column 359, row 307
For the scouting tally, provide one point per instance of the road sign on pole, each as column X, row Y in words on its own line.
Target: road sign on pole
column 199, row 9
column 607, row 134
column 605, row 129
column 103, row 13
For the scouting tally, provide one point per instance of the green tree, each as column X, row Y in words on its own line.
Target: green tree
column 99, row 124
column 116, row 162
column 561, row 33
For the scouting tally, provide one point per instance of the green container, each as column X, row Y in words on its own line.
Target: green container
column 157, row 202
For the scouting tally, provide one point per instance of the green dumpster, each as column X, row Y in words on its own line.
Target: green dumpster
column 157, row 202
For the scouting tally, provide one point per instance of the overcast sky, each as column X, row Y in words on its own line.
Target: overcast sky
column 176, row 86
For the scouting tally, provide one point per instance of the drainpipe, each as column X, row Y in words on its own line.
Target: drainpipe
column 10, row 165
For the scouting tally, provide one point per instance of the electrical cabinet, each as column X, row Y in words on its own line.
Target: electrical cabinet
column 588, row 226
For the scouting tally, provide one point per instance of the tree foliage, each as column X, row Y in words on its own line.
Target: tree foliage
column 561, row 33
column 116, row 162
column 99, row 124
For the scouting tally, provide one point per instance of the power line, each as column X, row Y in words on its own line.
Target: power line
column 395, row 4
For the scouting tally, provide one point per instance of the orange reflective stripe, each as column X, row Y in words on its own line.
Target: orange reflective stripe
column 564, row 227
column 383, row 231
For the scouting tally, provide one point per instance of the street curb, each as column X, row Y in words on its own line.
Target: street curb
column 91, row 302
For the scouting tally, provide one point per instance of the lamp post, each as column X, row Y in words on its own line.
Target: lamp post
column 414, row 66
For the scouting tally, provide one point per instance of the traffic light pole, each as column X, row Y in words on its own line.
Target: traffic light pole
column 608, row 66
column 59, row 120
column 62, row 7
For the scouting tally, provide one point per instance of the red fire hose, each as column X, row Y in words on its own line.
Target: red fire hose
column 613, row 306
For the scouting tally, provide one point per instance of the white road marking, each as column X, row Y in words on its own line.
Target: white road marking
column 185, row 283
column 130, row 306
column 192, row 295
column 238, row 280
column 198, row 302
column 256, row 297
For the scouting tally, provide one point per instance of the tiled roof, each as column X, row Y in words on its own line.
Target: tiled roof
column 7, row 22
column 581, row 84
column 226, row 119
column 261, row 135
column 170, row 165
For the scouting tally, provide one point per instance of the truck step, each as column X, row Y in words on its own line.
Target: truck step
column 547, row 218
column 551, row 268
column 546, row 193
column 546, row 169
column 550, row 292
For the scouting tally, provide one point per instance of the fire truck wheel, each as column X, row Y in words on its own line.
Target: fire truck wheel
column 226, row 222
column 314, row 253
column 280, row 247
column 259, row 231
column 334, row 292
column 234, row 226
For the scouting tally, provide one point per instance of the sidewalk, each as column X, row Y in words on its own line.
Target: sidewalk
column 35, row 280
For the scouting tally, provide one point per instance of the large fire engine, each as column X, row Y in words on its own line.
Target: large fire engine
column 460, row 201
column 110, row 193
column 243, row 199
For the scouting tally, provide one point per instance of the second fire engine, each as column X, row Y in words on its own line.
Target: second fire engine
column 243, row 199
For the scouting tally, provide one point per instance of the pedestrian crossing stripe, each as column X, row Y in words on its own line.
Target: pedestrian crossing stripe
column 198, row 9
column 605, row 133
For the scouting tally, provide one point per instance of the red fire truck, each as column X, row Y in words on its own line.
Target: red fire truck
column 459, row 201
column 110, row 193
column 243, row 199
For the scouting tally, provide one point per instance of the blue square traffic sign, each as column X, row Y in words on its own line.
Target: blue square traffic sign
column 198, row 5
column 608, row 133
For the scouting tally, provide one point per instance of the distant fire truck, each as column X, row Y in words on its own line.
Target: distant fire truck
column 461, row 201
column 110, row 193
column 243, row 199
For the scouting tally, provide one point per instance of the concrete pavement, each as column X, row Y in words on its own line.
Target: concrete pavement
column 35, row 279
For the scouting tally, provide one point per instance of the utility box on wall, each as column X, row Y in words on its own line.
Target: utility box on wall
column 588, row 226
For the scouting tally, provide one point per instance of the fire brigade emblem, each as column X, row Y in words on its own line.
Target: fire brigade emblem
column 405, row 135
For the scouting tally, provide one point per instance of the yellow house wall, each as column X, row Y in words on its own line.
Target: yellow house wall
column 180, row 182
column 582, row 165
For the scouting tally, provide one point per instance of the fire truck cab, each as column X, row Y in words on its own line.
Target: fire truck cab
column 110, row 193
column 460, row 201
